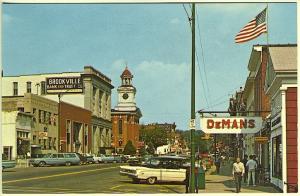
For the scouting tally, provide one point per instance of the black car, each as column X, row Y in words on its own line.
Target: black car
column 83, row 159
column 135, row 162
column 89, row 158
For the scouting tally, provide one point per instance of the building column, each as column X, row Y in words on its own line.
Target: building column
column 284, row 157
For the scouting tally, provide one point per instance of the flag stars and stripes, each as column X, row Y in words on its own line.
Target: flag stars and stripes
column 253, row 29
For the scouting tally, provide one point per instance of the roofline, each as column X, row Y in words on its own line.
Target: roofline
column 39, row 74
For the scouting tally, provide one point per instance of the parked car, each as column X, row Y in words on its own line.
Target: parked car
column 38, row 155
column 83, row 159
column 97, row 159
column 110, row 159
column 89, row 158
column 8, row 164
column 57, row 159
column 164, row 168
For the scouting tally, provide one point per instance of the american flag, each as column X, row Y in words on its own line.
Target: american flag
column 253, row 29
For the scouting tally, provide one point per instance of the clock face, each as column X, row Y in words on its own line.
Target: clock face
column 125, row 96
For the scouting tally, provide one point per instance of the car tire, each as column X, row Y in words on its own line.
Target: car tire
column 151, row 180
column 68, row 164
column 42, row 164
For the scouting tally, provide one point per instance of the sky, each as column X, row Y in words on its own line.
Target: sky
column 154, row 40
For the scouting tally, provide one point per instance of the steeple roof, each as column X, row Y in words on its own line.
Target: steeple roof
column 126, row 73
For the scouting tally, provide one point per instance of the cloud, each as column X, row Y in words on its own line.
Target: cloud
column 175, row 21
column 163, row 91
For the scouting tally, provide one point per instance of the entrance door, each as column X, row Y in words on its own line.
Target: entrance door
column 7, row 151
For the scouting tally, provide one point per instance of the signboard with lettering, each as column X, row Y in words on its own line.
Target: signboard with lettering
column 230, row 125
column 64, row 85
column 261, row 139
column 276, row 122
column 43, row 135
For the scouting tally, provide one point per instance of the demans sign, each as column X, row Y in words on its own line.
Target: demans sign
column 231, row 124
column 64, row 85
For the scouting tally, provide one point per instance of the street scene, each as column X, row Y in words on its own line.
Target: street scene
column 149, row 98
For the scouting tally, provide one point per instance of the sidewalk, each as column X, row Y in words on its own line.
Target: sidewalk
column 224, row 183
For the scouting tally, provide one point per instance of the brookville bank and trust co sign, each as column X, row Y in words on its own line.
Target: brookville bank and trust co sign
column 64, row 85
column 231, row 125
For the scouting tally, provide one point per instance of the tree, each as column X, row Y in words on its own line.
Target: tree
column 154, row 137
column 129, row 148
column 143, row 151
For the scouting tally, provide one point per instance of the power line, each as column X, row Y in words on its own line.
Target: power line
column 202, row 80
column 203, row 59
column 188, row 16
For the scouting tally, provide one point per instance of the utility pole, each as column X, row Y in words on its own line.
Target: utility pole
column 193, row 113
column 59, row 115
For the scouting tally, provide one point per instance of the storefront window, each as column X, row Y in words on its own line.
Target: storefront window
column 277, row 157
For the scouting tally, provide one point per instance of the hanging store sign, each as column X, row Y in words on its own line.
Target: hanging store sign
column 43, row 135
column 64, row 85
column 276, row 122
column 261, row 139
column 231, row 125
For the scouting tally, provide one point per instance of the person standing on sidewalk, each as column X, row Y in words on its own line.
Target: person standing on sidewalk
column 245, row 160
column 257, row 169
column 187, row 179
column 252, row 165
column 238, row 171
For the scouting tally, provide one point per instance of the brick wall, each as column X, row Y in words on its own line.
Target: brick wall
column 291, row 134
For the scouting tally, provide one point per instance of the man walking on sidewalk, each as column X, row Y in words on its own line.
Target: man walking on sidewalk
column 238, row 171
column 252, row 165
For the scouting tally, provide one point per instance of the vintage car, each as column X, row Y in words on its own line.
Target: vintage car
column 8, row 164
column 57, row 159
column 164, row 168
column 110, row 159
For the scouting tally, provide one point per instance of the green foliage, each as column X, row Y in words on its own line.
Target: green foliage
column 143, row 151
column 129, row 148
column 202, row 145
column 154, row 138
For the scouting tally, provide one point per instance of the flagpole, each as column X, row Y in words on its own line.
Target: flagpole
column 267, row 12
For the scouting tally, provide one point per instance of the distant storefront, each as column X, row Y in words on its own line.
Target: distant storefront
column 75, row 129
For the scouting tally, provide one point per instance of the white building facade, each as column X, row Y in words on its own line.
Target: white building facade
column 93, row 92
column 16, row 133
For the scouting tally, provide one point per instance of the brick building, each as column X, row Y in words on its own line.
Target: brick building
column 126, row 115
column 75, row 129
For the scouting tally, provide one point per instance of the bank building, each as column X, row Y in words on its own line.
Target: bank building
column 70, row 111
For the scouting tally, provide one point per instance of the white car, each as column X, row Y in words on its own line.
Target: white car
column 165, row 168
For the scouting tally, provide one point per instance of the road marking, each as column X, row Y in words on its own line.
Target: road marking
column 56, row 175
column 112, row 188
column 31, row 187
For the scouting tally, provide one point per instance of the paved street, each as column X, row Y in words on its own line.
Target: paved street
column 102, row 178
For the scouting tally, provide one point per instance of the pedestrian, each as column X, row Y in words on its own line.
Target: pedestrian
column 187, row 179
column 246, row 168
column 257, row 168
column 238, row 171
column 252, row 165
column 196, row 177
column 218, row 165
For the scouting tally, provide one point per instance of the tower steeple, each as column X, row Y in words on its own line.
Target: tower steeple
column 126, row 77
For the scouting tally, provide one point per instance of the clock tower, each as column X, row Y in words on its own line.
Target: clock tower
column 125, row 115
column 126, row 92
